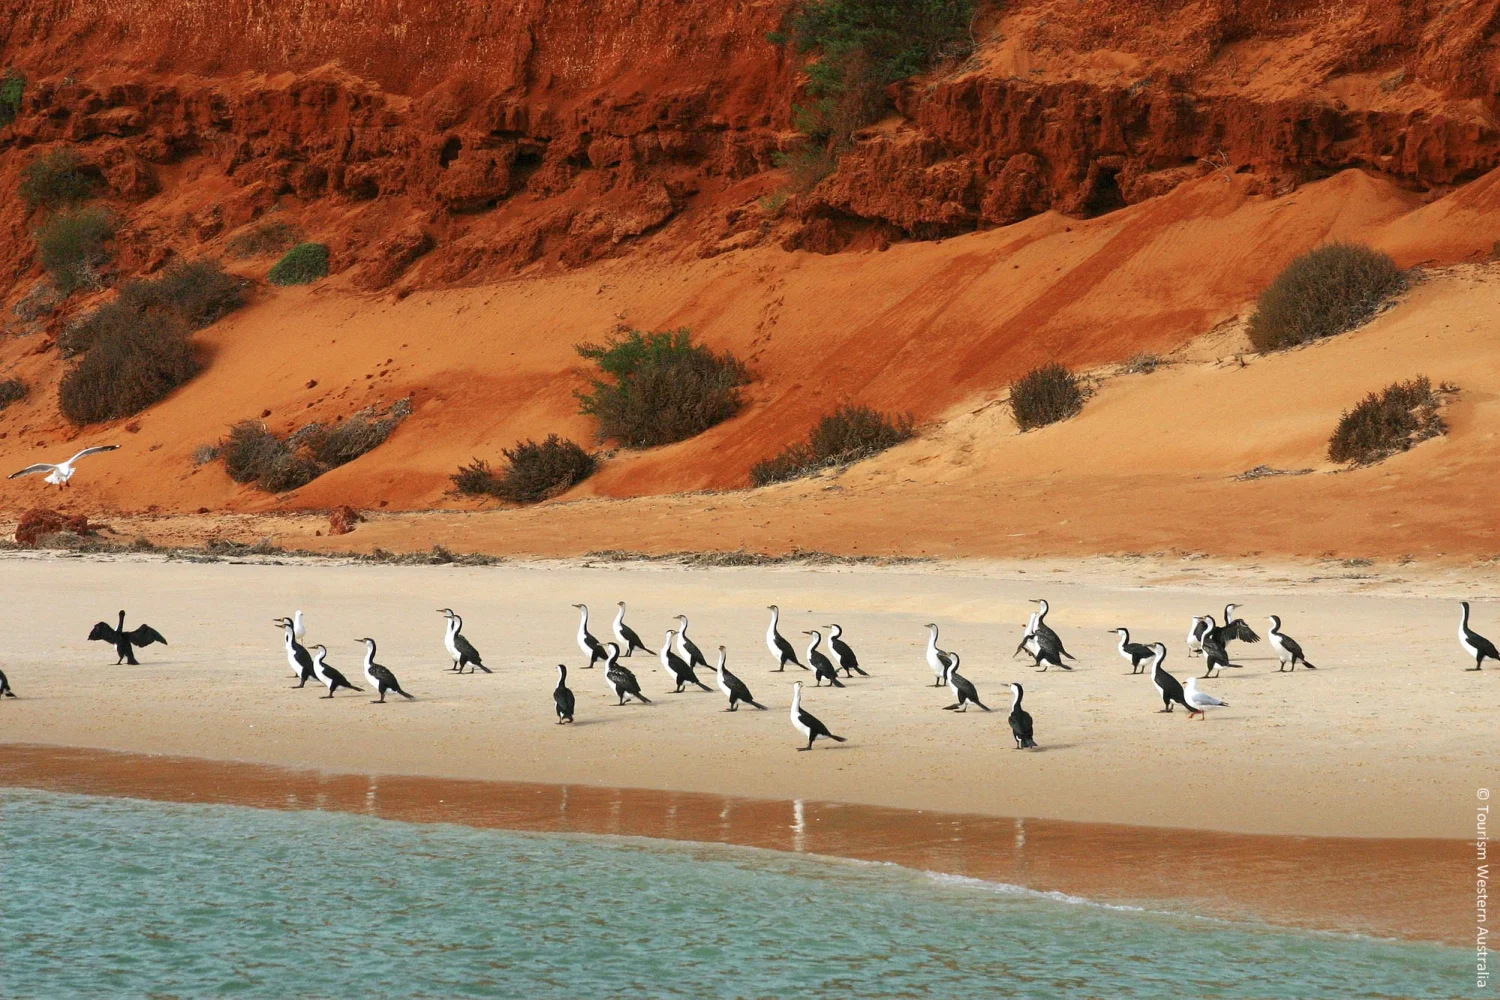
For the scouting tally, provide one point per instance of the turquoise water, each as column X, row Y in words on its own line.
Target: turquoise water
column 106, row 897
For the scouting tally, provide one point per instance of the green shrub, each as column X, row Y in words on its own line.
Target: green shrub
column 200, row 292
column 664, row 387
column 253, row 453
column 127, row 370
column 846, row 435
column 57, row 179
column 265, row 237
column 12, row 87
column 303, row 263
column 1044, row 396
column 12, row 390
column 1387, row 422
column 1324, row 292
column 72, row 247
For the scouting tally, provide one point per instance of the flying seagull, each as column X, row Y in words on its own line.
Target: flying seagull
column 59, row 474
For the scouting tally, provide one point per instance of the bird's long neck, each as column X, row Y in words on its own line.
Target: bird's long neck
column 796, row 700
column 452, row 627
column 122, row 619
column 370, row 652
column 619, row 617
column 291, row 640
column 583, row 622
column 1041, row 612
column 1124, row 638
column 682, row 632
column 666, row 647
column 1228, row 613
column 562, row 675
column 932, row 633
column 775, row 617
column 720, row 668
column 1015, row 697
column 813, row 643
column 1463, row 621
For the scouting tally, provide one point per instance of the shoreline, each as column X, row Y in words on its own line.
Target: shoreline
column 1397, row 889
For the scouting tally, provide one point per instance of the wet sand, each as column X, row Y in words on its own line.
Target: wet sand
column 1412, row 889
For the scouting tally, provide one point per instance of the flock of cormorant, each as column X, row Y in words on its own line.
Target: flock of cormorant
column 680, row 657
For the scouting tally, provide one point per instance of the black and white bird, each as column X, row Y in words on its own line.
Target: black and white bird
column 1028, row 643
column 680, row 670
column 619, row 677
column 781, row 650
column 806, row 723
column 686, row 648
column 1473, row 643
column 1167, row 686
column 1287, row 649
column 123, row 641
column 822, row 666
column 1197, row 700
column 1048, row 647
column 1215, row 655
column 625, row 635
column 297, row 656
column 1195, row 635
column 587, row 644
column 937, row 659
column 380, row 678
column 734, row 689
column 1234, row 628
column 843, row 652
column 1020, row 720
column 329, row 675
column 60, row 473
column 562, row 696
column 1137, row 653
column 5, row 686
column 460, row 650
column 962, row 688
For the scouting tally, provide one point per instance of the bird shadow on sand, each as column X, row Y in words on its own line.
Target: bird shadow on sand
column 1046, row 747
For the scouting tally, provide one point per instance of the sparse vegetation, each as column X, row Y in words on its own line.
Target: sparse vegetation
column 72, row 247
column 659, row 387
column 1044, row 396
column 253, row 453
column 1143, row 364
column 127, row 369
column 303, row 263
column 860, row 48
column 1324, row 292
column 198, row 292
column 846, row 435
column 57, row 180
column 533, row 472
column 205, row 453
column 1387, row 422
column 12, row 390
column 265, row 237
column 12, row 89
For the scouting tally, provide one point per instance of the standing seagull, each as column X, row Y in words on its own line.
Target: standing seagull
column 822, row 666
column 1020, row 720
column 562, row 697
column 1166, row 685
column 142, row 635
column 1049, row 647
column 629, row 641
column 937, row 659
column 380, row 678
column 1473, row 643
column 59, row 474
column 1287, row 649
column 1195, row 635
column 1137, row 653
column 299, row 627
column 962, row 688
column 619, row 678
column 328, row 675
column 686, row 647
column 297, row 656
column 460, row 649
column 1234, row 628
column 5, row 686
column 1197, row 701
column 587, row 644
column 847, row 660
column 1214, row 652
column 734, row 688
column 677, row 668
column 806, row 723
column 779, row 647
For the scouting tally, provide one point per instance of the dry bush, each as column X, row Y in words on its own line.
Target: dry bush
column 12, row 390
column 39, row 522
column 72, row 247
column 1387, row 422
column 1324, row 292
column 200, row 292
column 475, row 479
column 533, row 472
column 1044, row 396
column 253, row 453
column 265, row 237
column 248, row 449
column 846, row 435
column 128, row 370
column 58, row 179
column 665, row 388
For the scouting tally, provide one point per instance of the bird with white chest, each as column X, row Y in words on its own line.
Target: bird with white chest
column 60, row 474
